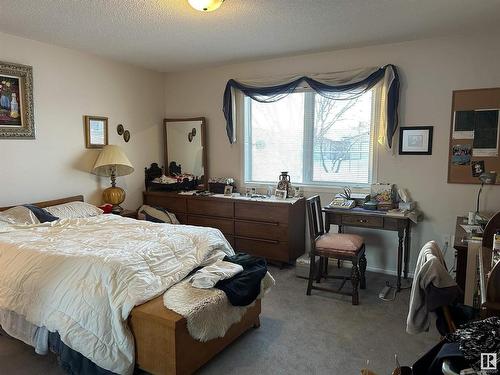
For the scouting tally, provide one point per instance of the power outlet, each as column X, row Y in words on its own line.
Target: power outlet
column 446, row 240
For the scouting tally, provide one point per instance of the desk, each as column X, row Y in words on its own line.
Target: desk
column 375, row 220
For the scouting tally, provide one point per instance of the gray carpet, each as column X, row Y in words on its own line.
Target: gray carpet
column 320, row 334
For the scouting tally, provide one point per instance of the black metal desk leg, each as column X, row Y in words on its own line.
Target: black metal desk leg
column 407, row 249
column 327, row 222
column 400, row 257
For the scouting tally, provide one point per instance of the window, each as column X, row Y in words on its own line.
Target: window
column 319, row 141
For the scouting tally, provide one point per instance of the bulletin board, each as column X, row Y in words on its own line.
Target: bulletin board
column 474, row 135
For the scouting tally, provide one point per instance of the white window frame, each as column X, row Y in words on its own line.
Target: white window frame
column 243, row 111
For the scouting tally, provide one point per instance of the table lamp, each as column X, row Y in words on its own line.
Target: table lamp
column 113, row 162
column 488, row 178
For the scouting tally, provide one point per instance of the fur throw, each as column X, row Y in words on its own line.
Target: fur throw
column 208, row 312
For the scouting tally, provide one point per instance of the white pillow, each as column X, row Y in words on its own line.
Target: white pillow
column 18, row 215
column 74, row 210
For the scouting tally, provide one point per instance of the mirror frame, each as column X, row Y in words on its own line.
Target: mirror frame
column 203, row 135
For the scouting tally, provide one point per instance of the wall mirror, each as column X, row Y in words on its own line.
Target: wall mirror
column 186, row 149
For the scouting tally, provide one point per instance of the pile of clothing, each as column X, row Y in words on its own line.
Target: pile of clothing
column 216, row 296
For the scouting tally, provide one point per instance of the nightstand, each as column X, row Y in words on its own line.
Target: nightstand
column 128, row 213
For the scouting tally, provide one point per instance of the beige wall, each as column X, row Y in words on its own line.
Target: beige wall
column 429, row 69
column 67, row 85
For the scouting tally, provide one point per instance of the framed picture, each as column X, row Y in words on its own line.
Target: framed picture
column 280, row 194
column 16, row 101
column 248, row 192
column 415, row 140
column 96, row 131
column 477, row 168
column 228, row 190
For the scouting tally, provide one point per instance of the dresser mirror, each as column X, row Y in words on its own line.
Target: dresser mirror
column 186, row 149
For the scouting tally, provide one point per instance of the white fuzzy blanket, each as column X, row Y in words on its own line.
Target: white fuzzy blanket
column 208, row 312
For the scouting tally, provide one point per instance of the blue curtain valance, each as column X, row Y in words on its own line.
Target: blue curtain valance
column 337, row 86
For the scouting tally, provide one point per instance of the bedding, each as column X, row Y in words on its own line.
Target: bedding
column 82, row 277
column 18, row 215
column 74, row 210
column 41, row 214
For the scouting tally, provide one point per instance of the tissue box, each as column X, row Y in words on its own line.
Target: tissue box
column 410, row 206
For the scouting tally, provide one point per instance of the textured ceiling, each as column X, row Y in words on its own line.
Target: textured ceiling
column 168, row 35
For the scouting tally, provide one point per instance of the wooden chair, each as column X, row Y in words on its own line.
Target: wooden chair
column 340, row 246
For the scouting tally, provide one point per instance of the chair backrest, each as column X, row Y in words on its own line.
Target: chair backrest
column 490, row 229
column 315, row 217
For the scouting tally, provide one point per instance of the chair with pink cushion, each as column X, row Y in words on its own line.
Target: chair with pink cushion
column 339, row 246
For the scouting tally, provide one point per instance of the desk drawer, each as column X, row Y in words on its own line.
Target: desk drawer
column 363, row 221
column 268, row 231
column 210, row 207
column 226, row 226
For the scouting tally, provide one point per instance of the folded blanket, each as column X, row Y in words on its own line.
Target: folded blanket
column 208, row 276
column 208, row 312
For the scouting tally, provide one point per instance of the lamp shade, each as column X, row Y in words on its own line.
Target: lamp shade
column 112, row 159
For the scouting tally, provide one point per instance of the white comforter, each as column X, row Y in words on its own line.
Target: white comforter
column 82, row 277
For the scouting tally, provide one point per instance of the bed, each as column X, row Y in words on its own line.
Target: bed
column 160, row 339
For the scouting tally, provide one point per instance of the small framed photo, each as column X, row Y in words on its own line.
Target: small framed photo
column 96, row 131
column 228, row 190
column 477, row 168
column 248, row 192
column 415, row 140
column 280, row 194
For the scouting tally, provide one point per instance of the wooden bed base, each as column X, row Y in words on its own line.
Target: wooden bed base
column 163, row 344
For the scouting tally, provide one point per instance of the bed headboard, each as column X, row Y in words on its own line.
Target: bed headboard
column 75, row 198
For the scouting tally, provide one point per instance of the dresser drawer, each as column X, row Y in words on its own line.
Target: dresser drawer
column 273, row 250
column 363, row 221
column 230, row 239
column 226, row 226
column 183, row 219
column 275, row 213
column 173, row 204
column 268, row 231
column 210, row 207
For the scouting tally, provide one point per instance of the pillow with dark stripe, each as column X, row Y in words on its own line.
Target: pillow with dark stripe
column 41, row 214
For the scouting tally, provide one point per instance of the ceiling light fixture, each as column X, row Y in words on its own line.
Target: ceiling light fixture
column 205, row 5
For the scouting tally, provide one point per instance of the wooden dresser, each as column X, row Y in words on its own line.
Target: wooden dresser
column 274, row 230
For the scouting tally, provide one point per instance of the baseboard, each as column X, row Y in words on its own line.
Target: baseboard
column 385, row 271
column 303, row 263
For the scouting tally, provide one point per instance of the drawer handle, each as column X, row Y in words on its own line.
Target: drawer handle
column 258, row 239
column 257, row 222
column 363, row 221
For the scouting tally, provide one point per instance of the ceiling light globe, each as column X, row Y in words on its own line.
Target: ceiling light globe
column 205, row 5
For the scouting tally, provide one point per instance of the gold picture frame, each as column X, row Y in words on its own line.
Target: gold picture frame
column 16, row 101
column 96, row 131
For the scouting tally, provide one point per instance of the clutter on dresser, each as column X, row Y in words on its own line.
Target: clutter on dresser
column 284, row 184
column 217, row 185
column 156, row 180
